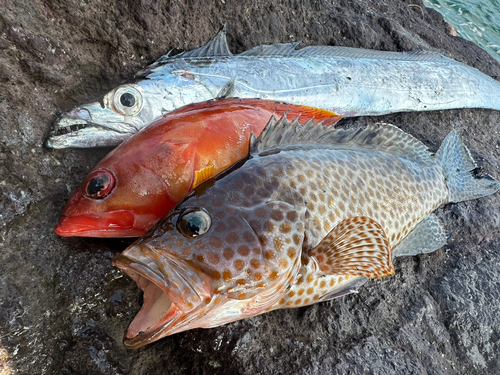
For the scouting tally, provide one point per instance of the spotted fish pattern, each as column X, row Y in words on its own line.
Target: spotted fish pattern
column 309, row 215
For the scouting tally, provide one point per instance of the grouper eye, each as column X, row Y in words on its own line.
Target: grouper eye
column 127, row 100
column 194, row 222
column 99, row 184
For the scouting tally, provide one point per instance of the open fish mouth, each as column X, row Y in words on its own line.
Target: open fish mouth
column 175, row 293
column 158, row 311
column 90, row 126
column 84, row 135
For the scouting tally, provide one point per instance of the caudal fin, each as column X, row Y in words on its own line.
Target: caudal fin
column 458, row 164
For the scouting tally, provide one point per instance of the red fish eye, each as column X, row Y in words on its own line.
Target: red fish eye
column 99, row 184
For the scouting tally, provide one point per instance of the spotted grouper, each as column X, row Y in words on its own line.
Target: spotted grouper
column 309, row 215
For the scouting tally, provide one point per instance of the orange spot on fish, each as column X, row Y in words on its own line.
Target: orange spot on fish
column 269, row 255
column 255, row 263
column 239, row 264
column 213, row 258
column 227, row 275
column 283, row 263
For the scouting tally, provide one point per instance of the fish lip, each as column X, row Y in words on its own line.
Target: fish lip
column 143, row 270
column 88, row 225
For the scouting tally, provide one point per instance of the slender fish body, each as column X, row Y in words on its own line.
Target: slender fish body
column 140, row 181
column 347, row 81
column 311, row 214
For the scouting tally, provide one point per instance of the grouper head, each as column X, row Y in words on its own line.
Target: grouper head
column 124, row 111
column 216, row 258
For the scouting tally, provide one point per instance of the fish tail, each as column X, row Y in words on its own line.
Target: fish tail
column 458, row 165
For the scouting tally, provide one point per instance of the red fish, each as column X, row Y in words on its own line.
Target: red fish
column 140, row 181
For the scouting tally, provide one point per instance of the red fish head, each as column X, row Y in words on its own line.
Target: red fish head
column 115, row 203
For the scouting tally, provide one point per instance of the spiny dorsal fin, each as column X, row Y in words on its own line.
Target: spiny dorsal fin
column 217, row 47
column 357, row 246
column 280, row 134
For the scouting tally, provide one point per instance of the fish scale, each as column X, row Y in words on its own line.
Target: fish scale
column 311, row 214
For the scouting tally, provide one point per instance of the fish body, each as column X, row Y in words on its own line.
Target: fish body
column 140, row 181
column 347, row 81
column 309, row 215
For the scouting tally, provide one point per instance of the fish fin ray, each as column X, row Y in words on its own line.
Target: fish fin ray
column 278, row 49
column 457, row 164
column 290, row 49
column 372, row 260
column 228, row 89
column 351, row 287
column 382, row 137
column 428, row 236
column 216, row 47
column 203, row 174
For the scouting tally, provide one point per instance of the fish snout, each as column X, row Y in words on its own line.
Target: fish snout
column 106, row 224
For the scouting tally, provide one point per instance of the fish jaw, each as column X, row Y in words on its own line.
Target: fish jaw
column 91, row 125
column 120, row 223
column 176, row 293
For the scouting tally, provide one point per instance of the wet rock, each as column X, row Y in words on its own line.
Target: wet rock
column 63, row 308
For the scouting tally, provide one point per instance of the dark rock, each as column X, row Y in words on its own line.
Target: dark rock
column 63, row 308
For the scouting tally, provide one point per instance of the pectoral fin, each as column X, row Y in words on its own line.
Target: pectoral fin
column 357, row 246
column 203, row 174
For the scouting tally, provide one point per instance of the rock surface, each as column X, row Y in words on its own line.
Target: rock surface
column 63, row 308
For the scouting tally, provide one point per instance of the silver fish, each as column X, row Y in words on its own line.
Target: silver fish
column 310, row 215
column 347, row 81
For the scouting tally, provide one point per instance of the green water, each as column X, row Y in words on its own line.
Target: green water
column 475, row 20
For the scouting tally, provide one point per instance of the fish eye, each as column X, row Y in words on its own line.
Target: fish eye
column 194, row 223
column 127, row 100
column 99, row 184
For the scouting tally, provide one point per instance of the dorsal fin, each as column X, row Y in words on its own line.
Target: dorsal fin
column 280, row 134
column 278, row 49
column 217, row 47
column 289, row 49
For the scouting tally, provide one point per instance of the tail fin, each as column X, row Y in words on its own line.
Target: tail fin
column 457, row 164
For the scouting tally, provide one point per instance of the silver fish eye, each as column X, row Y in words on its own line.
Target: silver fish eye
column 127, row 100
column 194, row 222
